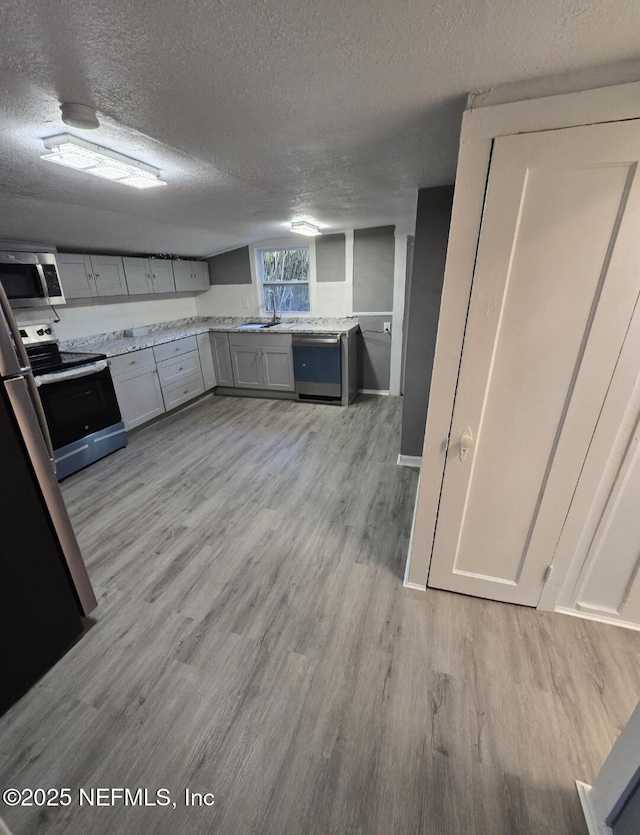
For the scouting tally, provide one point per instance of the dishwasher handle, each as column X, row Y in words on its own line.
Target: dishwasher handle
column 317, row 341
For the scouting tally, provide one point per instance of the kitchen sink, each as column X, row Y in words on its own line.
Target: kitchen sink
column 256, row 326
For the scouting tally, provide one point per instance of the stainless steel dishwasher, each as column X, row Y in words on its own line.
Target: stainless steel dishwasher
column 317, row 366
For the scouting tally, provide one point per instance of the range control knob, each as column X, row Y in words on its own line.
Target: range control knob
column 40, row 332
column 47, row 331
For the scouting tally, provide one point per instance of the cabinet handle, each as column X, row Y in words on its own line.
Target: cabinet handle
column 154, row 275
column 133, row 362
column 97, row 275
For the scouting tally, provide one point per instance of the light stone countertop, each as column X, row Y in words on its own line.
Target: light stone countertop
column 113, row 344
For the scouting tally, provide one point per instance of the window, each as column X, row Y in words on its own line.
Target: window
column 285, row 272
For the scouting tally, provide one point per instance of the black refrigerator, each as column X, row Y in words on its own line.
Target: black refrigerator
column 44, row 586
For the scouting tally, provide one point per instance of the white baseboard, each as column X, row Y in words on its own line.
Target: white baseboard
column 416, row 586
column 584, row 793
column 625, row 624
column 410, row 461
column 375, row 391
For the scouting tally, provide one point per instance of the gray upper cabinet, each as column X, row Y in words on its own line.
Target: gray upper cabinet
column 201, row 275
column 148, row 275
column 191, row 275
column 108, row 273
column 83, row 276
column 222, row 359
column 138, row 275
column 76, row 275
column 162, row 275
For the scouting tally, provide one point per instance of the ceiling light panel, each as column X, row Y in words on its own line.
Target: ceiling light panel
column 84, row 156
column 304, row 228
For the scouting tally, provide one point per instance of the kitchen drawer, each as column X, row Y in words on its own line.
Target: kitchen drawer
column 177, row 368
column 261, row 339
column 183, row 391
column 135, row 361
column 173, row 349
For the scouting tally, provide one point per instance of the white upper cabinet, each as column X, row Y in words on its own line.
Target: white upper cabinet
column 138, row 275
column 108, row 274
column 83, row 276
column 162, row 275
column 149, row 275
column 191, row 275
column 76, row 275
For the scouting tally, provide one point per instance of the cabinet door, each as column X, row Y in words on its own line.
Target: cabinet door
column 139, row 397
column 206, row 360
column 137, row 275
column 277, row 368
column 201, row 275
column 183, row 272
column 162, row 275
column 247, row 367
column 109, row 275
column 76, row 275
column 222, row 359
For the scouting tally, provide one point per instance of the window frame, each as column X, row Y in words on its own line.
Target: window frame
column 256, row 265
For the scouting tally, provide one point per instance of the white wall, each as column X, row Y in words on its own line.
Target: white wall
column 88, row 319
column 228, row 300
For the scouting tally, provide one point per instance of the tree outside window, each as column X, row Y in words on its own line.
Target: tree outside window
column 286, row 273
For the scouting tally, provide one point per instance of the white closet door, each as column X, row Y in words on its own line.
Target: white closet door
column 554, row 289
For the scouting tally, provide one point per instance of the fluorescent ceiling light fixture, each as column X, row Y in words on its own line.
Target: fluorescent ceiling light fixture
column 93, row 159
column 304, row 228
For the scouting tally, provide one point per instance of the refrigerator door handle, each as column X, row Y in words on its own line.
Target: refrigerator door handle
column 42, row 421
column 11, row 346
column 19, row 351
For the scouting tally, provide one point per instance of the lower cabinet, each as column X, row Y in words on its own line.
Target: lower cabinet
column 277, row 367
column 179, row 371
column 139, row 396
column 262, row 361
column 247, row 370
column 206, row 360
column 152, row 381
column 222, row 359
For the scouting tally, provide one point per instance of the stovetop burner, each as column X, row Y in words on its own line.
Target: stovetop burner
column 48, row 358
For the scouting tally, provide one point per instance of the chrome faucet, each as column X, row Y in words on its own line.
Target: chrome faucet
column 271, row 295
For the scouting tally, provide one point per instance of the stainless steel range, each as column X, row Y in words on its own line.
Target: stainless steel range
column 79, row 401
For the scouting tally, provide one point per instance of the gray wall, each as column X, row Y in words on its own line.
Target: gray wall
column 330, row 258
column 373, row 257
column 429, row 255
column 373, row 260
column 230, row 267
column 374, row 353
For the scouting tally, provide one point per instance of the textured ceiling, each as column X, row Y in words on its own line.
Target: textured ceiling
column 262, row 112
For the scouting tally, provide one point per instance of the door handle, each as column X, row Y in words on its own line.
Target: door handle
column 465, row 443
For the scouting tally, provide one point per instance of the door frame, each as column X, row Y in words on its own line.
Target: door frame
column 480, row 127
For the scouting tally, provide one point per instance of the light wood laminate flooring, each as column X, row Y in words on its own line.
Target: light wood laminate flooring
column 254, row 640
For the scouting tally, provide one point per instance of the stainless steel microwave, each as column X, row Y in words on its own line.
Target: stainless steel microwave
column 30, row 279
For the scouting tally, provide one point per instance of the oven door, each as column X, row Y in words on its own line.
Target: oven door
column 78, row 402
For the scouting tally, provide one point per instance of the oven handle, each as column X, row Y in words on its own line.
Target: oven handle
column 71, row 373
